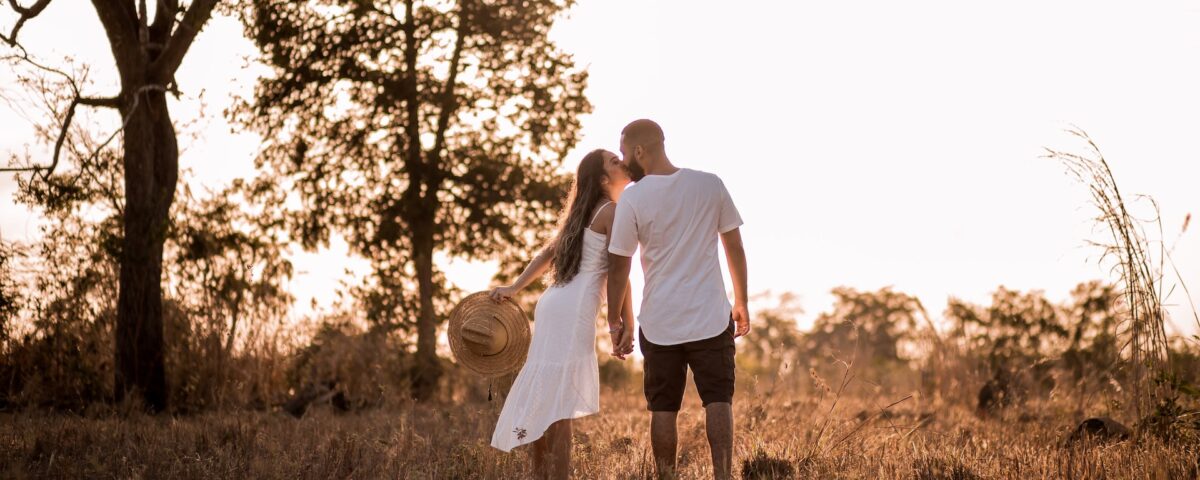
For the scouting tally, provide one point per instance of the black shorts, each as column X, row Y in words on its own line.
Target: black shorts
column 666, row 367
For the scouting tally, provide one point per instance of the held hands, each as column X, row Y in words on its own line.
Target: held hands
column 622, row 340
column 500, row 294
column 741, row 320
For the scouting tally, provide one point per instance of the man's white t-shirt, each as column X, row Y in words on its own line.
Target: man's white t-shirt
column 677, row 219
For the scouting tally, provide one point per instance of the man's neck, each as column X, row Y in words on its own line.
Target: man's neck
column 662, row 167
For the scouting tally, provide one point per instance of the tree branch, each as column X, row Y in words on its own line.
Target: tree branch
column 412, row 106
column 120, row 25
column 76, row 100
column 177, row 46
column 109, row 102
column 48, row 170
column 448, row 103
column 26, row 14
column 62, row 137
column 164, row 19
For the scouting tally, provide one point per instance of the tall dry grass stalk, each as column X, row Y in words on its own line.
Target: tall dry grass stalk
column 1145, row 346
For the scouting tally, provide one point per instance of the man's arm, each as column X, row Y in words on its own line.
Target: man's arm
column 622, row 242
column 627, row 311
column 618, row 287
column 735, row 255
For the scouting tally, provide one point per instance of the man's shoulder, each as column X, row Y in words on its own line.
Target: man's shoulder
column 702, row 177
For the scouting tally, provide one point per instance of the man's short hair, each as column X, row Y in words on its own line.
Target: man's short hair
column 643, row 132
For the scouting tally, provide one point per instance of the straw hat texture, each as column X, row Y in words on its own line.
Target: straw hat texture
column 489, row 338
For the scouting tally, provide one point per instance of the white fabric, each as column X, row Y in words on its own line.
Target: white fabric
column 676, row 219
column 560, row 378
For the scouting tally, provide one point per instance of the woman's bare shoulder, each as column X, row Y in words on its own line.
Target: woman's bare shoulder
column 604, row 218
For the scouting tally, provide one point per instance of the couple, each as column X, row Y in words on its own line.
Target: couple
column 675, row 216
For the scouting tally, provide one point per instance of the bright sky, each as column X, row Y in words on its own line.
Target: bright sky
column 866, row 143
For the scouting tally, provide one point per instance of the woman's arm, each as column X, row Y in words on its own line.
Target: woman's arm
column 627, row 320
column 536, row 268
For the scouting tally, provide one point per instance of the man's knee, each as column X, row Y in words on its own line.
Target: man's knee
column 719, row 407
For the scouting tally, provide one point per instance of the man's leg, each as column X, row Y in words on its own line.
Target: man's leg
column 718, row 423
column 664, row 440
column 665, row 377
column 712, row 363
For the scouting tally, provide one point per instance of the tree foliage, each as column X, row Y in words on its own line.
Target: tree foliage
column 775, row 343
column 1014, row 331
column 867, row 328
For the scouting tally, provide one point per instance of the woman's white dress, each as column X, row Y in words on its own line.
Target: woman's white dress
column 560, row 378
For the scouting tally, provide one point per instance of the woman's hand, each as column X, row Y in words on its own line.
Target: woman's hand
column 500, row 294
column 624, row 346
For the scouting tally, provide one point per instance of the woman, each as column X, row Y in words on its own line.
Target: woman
column 560, row 380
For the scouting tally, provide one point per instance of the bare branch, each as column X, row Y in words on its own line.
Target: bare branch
column 46, row 171
column 62, row 137
column 24, row 57
column 164, row 19
column 447, row 94
column 110, row 102
column 26, row 14
column 137, row 95
column 177, row 46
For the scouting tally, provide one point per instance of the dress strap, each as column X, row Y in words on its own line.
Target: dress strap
column 598, row 210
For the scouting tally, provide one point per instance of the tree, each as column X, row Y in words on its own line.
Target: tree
column 1092, row 356
column 865, row 326
column 147, row 52
column 10, row 295
column 413, row 128
column 1017, row 336
column 1017, row 330
column 224, row 273
column 226, row 277
column 775, row 345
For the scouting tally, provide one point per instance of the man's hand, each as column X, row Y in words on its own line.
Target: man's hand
column 615, row 334
column 741, row 320
column 623, row 343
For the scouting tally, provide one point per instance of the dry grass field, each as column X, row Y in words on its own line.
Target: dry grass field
column 778, row 436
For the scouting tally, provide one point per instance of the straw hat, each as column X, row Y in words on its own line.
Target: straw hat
column 487, row 337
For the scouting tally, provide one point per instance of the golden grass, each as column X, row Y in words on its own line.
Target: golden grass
column 913, row 439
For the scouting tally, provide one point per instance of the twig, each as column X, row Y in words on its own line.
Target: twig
column 78, row 99
column 49, row 170
column 26, row 14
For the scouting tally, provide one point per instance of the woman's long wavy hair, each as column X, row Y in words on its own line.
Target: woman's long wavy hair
column 586, row 194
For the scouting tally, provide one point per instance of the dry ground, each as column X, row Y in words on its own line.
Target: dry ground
column 913, row 439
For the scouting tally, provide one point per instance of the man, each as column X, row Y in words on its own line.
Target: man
column 675, row 215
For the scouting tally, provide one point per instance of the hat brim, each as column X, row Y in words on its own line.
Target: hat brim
column 513, row 319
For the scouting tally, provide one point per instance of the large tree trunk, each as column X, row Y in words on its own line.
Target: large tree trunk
column 429, row 369
column 151, row 170
column 420, row 200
